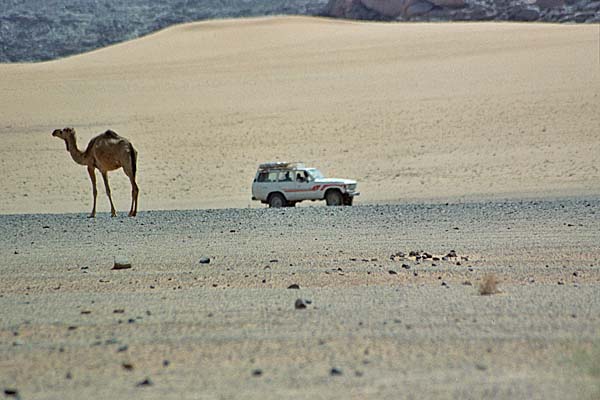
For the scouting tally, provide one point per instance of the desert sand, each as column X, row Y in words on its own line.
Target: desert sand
column 412, row 111
column 477, row 139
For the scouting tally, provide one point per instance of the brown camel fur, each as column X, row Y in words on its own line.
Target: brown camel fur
column 107, row 152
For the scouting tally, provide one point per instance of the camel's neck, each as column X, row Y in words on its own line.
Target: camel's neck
column 78, row 156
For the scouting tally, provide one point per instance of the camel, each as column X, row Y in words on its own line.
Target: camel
column 107, row 152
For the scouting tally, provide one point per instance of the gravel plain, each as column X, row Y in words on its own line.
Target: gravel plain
column 373, row 325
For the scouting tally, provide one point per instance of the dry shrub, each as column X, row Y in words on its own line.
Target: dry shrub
column 489, row 285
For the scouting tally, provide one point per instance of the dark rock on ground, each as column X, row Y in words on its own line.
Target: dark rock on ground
column 204, row 260
column 121, row 263
column 299, row 304
column 145, row 382
column 294, row 286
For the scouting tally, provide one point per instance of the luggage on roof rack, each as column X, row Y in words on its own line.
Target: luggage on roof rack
column 281, row 165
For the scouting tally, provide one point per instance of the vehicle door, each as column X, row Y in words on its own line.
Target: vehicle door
column 305, row 185
column 263, row 184
column 287, row 185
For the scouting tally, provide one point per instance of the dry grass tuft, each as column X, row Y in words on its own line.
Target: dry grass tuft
column 489, row 285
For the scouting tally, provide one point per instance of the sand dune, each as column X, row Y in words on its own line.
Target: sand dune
column 413, row 111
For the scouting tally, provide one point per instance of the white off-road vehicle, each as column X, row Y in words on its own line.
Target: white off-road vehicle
column 283, row 184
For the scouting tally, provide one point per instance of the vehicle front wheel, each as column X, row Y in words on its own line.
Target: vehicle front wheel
column 348, row 200
column 334, row 198
column 276, row 200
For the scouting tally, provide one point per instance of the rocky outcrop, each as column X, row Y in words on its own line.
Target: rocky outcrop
column 37, row 30
column 467, row 10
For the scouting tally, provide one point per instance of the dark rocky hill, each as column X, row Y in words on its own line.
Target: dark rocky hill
column 576, row 11
column 37, row 30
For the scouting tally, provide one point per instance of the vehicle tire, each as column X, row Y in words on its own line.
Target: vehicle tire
column 348, row 200
column 334, row 198
column 276, row 200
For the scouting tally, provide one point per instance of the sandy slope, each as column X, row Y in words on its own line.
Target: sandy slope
column 410, row 110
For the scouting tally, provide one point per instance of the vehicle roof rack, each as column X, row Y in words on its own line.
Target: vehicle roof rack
column 281, row 165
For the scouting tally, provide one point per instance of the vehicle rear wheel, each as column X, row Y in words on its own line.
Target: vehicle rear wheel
column 334, row 198
column 276, row 200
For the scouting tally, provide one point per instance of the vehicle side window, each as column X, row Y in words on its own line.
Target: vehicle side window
column 285, row 176
column 263, row 177
column 273, row 176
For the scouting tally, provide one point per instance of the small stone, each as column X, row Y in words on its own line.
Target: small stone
column 444, row 284
column 257, row 372
column 335, row 372
column 451, row 253
column 480, row 367
column 294, row 286
column 166, row 363
column 118, row 311
column 392, row 272
column 405, row 266
column 68, row 376
column 127, row 366
column 467, row 283
column 204, row 260
column 11, row 392
column 274, row 260
column 145, row 382
column 299, row 304
column 122, row 348
column 121, row 263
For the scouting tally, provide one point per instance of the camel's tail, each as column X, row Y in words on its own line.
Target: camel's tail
column 133, row 154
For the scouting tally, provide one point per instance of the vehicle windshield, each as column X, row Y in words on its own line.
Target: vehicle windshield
column 315, row 173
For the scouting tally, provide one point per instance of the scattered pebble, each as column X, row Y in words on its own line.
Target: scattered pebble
column 11, row 392
column 204, row 260
column 122, row 348
column 299, row 304
column 335, row 372
column 405, row 266
column 392, row 272
column 294, row 286
column 127, row 366
column 121, row 263
column 145, row 382
column 257, row 372
column 166, row 363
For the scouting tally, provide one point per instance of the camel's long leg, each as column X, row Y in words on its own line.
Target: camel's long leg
column 134, row 197
column 92, row 174
column 113, row 212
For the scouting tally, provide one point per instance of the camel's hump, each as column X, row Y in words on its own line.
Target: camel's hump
column 111, row 134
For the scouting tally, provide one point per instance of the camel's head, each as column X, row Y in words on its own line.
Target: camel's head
column 64, row 134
